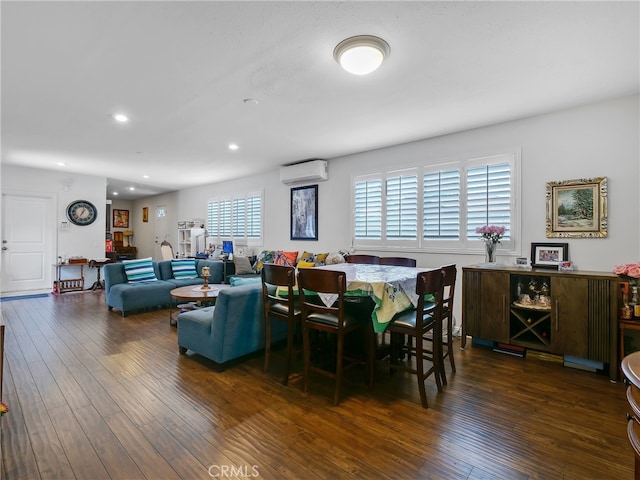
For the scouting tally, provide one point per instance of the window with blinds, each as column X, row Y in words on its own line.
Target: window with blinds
column 368, row 209
column 238, row 218
column 441, row 205
column 437, row 206
column 402, row 207
column 489, row 197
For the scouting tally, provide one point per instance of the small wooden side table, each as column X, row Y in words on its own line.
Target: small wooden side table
column 69, row 284
column 98, row 284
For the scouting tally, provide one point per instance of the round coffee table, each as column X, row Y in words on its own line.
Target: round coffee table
column 195, row 293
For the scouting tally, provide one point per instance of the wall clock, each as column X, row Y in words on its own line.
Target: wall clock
column 82, row 212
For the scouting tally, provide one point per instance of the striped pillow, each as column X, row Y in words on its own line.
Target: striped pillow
column 184, row 268
column 140, row 270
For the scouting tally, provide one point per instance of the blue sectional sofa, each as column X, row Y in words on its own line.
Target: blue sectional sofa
column 132, row 297
column 230, row 330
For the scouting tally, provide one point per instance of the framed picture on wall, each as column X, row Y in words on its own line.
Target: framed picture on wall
column 121, row 218
column 577, row 208
column 304, row 213
column 145, row 214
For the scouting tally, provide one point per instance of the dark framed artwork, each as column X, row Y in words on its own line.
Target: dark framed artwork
column 145, row 214
column 121, row 218
column 304, row 213
column 577, row 208
column 549, row 255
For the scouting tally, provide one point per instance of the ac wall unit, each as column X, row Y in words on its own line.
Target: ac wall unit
column 314, row 170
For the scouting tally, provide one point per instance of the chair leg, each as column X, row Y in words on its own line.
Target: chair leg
column 450, row 344
column 306, row 353
column 287, row 367
column 420, row 372
column 443, row 373
column 339, row 365
column 371, row 352
column 438, row 363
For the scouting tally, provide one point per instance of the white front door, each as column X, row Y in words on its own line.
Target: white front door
column 28, row 243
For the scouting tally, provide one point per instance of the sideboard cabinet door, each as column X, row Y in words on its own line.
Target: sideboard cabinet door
column 486, row 305
column 570, row 316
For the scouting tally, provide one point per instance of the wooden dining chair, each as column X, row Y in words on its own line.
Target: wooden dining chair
column 333, row 320
column 422, row 325
column 449, row 280
column 362, row 258
column 281, row 308
column 398, row 261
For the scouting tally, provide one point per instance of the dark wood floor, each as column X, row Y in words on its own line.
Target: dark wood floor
column 93, row 395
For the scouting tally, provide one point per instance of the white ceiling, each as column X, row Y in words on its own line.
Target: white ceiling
column 181, row 71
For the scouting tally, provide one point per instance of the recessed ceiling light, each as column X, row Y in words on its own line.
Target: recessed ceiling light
column 362, row 54
column 62, row 164
column 120, row 117
column 252, row 101
column 115, row 193
column 233, row 146
column 145, row 176
column 132, row 188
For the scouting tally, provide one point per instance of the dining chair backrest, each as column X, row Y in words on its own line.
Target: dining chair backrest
column 312, row 281
column 362, row 258
column 450, row 273
column 398, row 261
column 166, row 250
column 274, row 276
column 429, row 283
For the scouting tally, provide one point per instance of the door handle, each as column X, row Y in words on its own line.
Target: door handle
column 5, row 248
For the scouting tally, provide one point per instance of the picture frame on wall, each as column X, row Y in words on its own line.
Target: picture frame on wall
column 577, row 208
column 145, row 214
column 120, row 218
column 304, row 213
column 549, row 255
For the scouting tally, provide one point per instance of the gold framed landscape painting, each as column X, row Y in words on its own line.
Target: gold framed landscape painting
column 577, row 208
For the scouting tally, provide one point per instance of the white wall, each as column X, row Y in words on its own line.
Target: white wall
column 588, row 141
column 86, row 241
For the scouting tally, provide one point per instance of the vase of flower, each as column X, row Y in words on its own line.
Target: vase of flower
column 491, row 235
column 490, row 249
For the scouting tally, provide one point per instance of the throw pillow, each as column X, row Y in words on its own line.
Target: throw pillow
column 243, row 265
column 307, row 257
column 320, row 258
column 266, row 256
column 236, row 281
column 334, row 258
column 184, row 268
column 302, row 264
column 140, row 270
column 286, row 258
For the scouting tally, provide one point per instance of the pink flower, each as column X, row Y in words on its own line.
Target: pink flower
column 634, row 271
column 620, row 270
column 491, row 233
column 628, row 270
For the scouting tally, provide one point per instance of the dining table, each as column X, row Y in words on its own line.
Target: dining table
column 392, row 288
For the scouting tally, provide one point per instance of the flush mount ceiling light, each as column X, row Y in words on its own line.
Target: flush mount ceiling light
column 120, row 117
column 362, row 54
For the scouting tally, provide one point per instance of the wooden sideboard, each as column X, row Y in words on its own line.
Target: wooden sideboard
column 122, row 253
column 566, row 313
